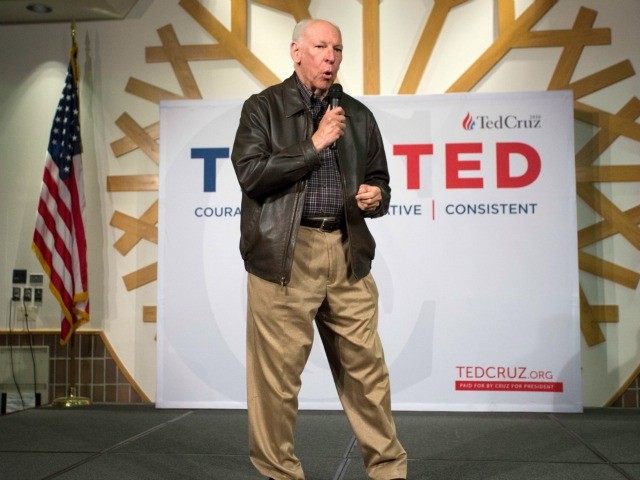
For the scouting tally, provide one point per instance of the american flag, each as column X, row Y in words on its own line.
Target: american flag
column 59, row 239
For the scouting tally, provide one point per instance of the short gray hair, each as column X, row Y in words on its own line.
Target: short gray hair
column 301, row 26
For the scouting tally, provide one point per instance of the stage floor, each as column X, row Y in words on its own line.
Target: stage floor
column 140, row 442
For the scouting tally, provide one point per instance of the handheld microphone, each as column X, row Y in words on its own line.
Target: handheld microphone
column 334, row 95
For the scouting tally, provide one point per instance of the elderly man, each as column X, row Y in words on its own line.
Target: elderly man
column 310, row 174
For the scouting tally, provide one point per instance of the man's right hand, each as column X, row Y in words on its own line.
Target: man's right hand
column 331, row 128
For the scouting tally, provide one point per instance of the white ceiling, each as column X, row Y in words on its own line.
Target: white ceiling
column 15, row 11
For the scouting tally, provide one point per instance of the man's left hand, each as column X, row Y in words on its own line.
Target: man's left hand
column 368, row 197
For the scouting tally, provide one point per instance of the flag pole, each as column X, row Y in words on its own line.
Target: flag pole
column 72, row 400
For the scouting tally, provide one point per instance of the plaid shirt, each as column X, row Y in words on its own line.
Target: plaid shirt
column 323, row 197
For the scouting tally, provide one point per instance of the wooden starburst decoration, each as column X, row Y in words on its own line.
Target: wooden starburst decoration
column 514, row 32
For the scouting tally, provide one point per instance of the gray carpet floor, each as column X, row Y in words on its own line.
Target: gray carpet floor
column 141, row 442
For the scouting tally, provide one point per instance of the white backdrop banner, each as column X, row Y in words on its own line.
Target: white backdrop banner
column 476, row 262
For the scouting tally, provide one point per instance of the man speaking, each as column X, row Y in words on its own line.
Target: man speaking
column 311, row 165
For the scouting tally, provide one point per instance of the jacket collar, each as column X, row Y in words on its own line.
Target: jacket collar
column 292, row 99
column 291, row 96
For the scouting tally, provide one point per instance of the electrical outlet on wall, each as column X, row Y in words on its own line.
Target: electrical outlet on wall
column 16, row 294
column 26, row 294
column 37, row 295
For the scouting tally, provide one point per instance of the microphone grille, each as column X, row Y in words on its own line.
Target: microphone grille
column 335, row 91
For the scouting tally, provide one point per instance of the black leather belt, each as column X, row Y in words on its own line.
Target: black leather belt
column 326, row 224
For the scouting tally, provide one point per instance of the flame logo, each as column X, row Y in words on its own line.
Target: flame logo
column 468, row 122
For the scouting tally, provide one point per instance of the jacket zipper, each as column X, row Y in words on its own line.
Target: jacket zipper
column 283, row 278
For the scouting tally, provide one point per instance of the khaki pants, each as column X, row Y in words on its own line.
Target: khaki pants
column 279, row 337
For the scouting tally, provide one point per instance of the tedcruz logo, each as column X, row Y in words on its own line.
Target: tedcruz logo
column 502, row 122
column 468, row 123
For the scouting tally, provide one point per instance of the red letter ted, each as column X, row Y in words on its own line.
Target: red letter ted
column 413, row 152
column 503, row 153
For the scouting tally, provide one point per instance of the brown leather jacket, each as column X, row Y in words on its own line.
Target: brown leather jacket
column 273, row 156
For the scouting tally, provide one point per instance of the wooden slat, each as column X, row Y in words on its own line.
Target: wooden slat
column 299, row 9
column 135, row 226
column 588, row 326
column 229, row 42
column 282, row 5
column 141, row 277
column 498, row 49
column 602, row 79
column 604, row 229
column 129, row 240
column 371, row 46
column 239, row 19
column 590, row 152
column 600, row 118
column 132, row 183
column 610, row 212
column 138, row 135
column 149, row 92
column 608, row 270
column 188, row 52
column 506, row 14
column 571, row 53
column 149, row 313
column 426, row 44
column 125, row 145
column 615, row 173
column 605, row 313
column 179, row 64
column 561, row 38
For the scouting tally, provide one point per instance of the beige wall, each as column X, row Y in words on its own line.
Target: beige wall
column 34, row 60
